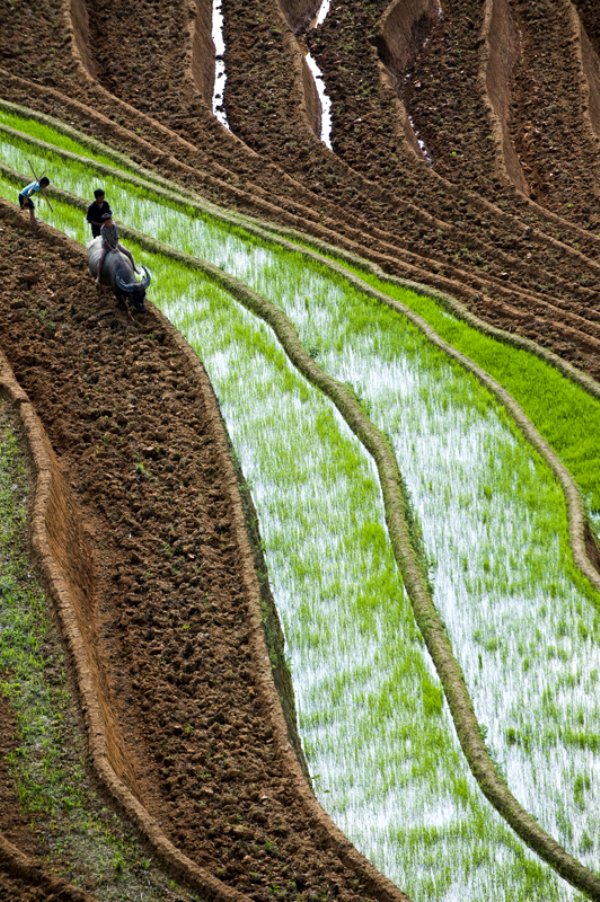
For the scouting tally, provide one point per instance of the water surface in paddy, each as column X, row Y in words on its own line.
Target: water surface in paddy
column 218, row 106
column 324, row 99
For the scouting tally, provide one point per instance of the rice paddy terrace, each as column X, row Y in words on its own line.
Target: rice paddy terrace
column 300, row 569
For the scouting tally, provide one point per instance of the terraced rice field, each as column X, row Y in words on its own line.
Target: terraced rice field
column 318, row 534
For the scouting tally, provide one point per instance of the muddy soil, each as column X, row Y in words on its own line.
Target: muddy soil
column 550, row 124
column 126, row 416
column 27, row 889
column 588, row 12
column 504, row 263
column 137, row 447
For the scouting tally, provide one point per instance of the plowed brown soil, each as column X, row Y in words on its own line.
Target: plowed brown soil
column 516, row 265
column 136, row 443
column 126, row 416
column 26, row 890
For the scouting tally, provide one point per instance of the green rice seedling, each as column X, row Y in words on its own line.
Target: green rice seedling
column 45, row 133
column 374, row 726
column 44, row 128
column 493, row 597
column 564, row 413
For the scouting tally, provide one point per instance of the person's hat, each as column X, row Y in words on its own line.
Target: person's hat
column 105, row 216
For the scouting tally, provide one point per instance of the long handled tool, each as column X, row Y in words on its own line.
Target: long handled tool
column 41, row 190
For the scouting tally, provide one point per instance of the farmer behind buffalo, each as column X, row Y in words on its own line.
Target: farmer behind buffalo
column 96, row 210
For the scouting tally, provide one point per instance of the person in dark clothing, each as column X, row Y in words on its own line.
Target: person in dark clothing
column 96, row 211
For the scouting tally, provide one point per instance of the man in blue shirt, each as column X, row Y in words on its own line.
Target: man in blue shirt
column 25, row 194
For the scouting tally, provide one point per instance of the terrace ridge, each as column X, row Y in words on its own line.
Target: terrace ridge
column 575, row 325
column 480, row 294
column 53, row 548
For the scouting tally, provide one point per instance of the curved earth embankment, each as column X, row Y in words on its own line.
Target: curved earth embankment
column 189, row 674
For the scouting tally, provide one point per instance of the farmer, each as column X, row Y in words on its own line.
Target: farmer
column 96, row 210
column 25, row 201
column 110, row 242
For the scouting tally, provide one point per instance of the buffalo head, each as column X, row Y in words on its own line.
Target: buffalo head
column 136, row 291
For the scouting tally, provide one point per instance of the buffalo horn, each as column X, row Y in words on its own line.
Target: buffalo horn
column 122, row 285
column 146, row 278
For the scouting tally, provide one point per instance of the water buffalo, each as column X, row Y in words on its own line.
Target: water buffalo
column 118, row 272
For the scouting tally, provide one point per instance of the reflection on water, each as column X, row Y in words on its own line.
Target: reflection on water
column 324, row 100
column 317, row 75
column 220, row 77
